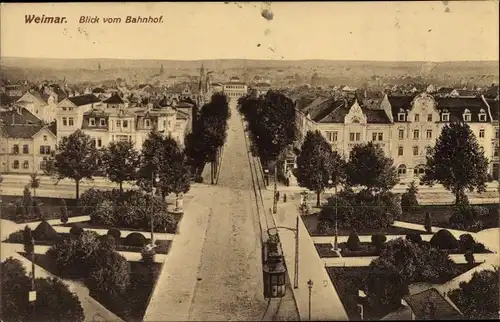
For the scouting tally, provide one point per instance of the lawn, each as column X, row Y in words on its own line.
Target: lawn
column 172, row 229
column 440, row 214
column 368, row 250
column 50, row 208
column 163, row 246
column 348, row 280
column 132, row 305
column 311, row 223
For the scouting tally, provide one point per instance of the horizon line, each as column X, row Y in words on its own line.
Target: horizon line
column 255, row 59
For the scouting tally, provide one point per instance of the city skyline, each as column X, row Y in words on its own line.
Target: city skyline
column 414, row 31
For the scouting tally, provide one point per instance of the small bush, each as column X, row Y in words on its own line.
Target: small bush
column 466, row 242
column 76, row 230
column 198, row 179
column 148, row 255
column 378, row 240
column 135, row 239
column 409, row 201
column 116, row 233
column 17, row 237
column 107, row 241
column 414, row 238
column 443, row 239
column 467, row 217
column 353, row 243
column 44, row 231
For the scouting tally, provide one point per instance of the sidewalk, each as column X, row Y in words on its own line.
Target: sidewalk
column 173, row 293
column 326, row 304
column 92, row 309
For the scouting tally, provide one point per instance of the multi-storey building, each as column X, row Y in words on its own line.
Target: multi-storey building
column 235, row 88
column 43, row 102
column 25, row 142
column 404, row 126
column 494, row 157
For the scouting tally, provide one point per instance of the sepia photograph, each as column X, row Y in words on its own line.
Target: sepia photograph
column 249, row 161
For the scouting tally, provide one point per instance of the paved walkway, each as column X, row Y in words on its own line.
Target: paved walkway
column 92, row 309
column 326, row 304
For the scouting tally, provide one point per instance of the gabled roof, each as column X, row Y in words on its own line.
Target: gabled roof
column 22, row 131
column 11, row 117
column 114, row 99
column 400, row 102
column 443, row 309
column 84, row 99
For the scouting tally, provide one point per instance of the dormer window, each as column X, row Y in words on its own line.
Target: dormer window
column 401, row 117
column 417, row 118
column 147, row 123
column 482, row 115
column 445, row 116
column 64, row 108
column 103, row 122
column 467, row 115
column 92, row 122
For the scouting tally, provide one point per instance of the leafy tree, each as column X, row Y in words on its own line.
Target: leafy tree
column 121, row 160
column 457, row 161
column 317, row 164
column 64, row 211
column 195, row 151
column 55, row 302
column 75, row 159
column 428, row 222
column 409, row 201
column 173, row 171
column 369, row 167
column 470, row 297
column 150, row 161
column 111, row 273
column 24, row 207
column 34, row 182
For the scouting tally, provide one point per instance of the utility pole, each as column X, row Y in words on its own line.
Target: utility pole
column 310, row 286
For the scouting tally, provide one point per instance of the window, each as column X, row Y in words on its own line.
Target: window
column 495, row 150
column 99, row 143
column 419, row 170
column 16, row 164
column 43, row 163
column 467, row 117
column 445, row 117
column 481, row 134
column 400, row 150
column 429, row 117
column 125, row 123
column 70, row 121
column 417, row 118
column 65, row 121
column 381, row 136
column 416, row 134
column 103, row 122
column 415, row 150
column 351, row 136
column 401, row 134
column 164, row 124
column 482, row 117
column 92, row 121
column 401, row 117
column 26, row 164
column 15, row 149
column 45, row 138
column 358, row 136
column 429, row 134
column 26, row 149
column 374, row 136
column 118, row 123
column 147, row 123
column 401, row 170
column 44, row 149
column 497, row 134
column 331, row 136
column 428, row 150
column 93, row 143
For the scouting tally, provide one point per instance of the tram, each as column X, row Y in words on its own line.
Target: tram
column 274, row 270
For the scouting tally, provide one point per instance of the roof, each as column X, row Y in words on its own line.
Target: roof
column 492, row 92
column 444, row 310
column 235, row 83
column 494, row 108
column 457, row 106
column 61, row 94
column 84, row 99
column 13, row 117
column 22, row 131
column 445, row 90
column 114, row 99
column 467, row 92
column 401, row 314
column 400, row 102
column 98, row 90
column 53, row 128
column 182, row 115
column 262, row 85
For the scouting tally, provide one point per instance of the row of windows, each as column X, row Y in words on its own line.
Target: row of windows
column 68, row 121
column 15, row 164
column 416, row 134
column 445, row 117
column 235, row 86
column 417, row 171
column 415, row 150
column 44, row 149
column 92, row 122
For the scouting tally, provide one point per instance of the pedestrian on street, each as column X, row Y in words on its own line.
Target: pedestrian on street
column 284, row 197
column 277, row 195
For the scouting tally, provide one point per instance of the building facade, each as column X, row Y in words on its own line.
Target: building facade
column 235, row 88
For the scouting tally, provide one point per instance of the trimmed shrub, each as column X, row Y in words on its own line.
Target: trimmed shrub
column 414, row 238
column 107, row 241
column 466, row 242
column 443, row 239
column 148, row 255
column 17, row 237
column 44, row 231
column 111, row 274
column 378, row 240
column 135, row 239
column 469, row 258
column 468, row 217
column 353, row 243
column 116, row 233
column 428, row 222
column 76, row 230
column 105, row 213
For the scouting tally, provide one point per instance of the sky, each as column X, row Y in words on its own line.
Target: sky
column 381, row 31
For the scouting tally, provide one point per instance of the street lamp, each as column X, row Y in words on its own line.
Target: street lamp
column 310, row 286
column 266, row 172
column 153, row 192
column 275, row 204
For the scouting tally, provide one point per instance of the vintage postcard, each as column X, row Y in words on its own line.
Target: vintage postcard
column 249, row 161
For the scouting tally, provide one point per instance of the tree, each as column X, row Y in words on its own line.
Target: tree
column 457, row 161
column 25, row 208
column 150, row 161
column 173, row 171
column 75, row 159
column 64, row 211
column 317, row 164
column 409, row 201
column 428, row 222
column 54, row 302
column 470, row 297
column 369, row 167
column 121, row 160
column 34, row 182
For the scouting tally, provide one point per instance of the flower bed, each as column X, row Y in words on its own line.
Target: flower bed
column 172, row 229
column 311, row 223
column 132, row 305
column 440, row 215
column 50, row 208
column 347, row 282
column 326, row 251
